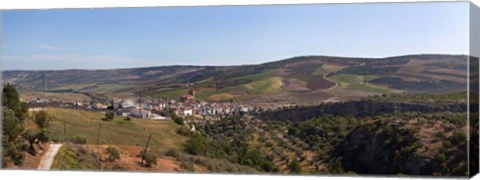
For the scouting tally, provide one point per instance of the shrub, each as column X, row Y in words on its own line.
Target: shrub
column 172, row 152
column 77, row 140
column 458, row 137
column 177, row 119
column 268, row 166
column 442, row 157
column 183, row 131
column 295, row 167
column 127, row 118
column 446, row 143
column 113, row 154
column 149, row 159
column 187, row 165
column 109, row 116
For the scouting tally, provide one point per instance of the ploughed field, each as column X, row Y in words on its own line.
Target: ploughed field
column 318, row 77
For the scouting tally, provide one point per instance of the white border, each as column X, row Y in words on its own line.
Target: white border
column 63, row 4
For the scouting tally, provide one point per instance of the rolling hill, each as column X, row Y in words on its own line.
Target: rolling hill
column 297, row 80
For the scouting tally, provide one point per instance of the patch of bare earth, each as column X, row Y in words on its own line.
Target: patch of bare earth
column 427, row 134
column 294, row 84
column 31, row 161
column 129, row 160
column 320, row 83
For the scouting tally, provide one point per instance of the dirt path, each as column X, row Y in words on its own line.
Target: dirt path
column 47, row 159
column 325, row 77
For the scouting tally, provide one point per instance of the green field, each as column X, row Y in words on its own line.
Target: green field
column 119, row 131
column 357, row 85
column 110, row 88
column 263, row 86
column 269, row 85
column 32, row 95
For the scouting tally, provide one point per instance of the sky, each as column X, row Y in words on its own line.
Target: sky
column 226, row 35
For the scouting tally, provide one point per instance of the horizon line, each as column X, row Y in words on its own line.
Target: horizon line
column 267, row 62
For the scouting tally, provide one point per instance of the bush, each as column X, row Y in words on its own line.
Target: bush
column 77, row 140
column 295, row 167
column 172, row 152
column 127, row 118
column 268, row 166
column 442, row 157
column 113, row 154
column 458, row 137
column 109, row 116
column 183, row 131
column 446, row 143
column 187, row 165
column 149, row 158
column 179, row 121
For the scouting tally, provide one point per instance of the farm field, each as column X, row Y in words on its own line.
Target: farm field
column 135, row 132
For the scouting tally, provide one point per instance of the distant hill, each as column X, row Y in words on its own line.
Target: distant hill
column 297, row 80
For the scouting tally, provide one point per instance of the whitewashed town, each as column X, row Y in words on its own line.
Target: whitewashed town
column 187, row 107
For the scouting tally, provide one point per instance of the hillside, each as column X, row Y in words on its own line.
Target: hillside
column 297, row 80
column 337, row 139
column 80, row 124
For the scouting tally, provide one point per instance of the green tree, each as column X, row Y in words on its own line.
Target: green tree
column 458, row 138
column 41, row 120
column 109, row 116
column 14, row 112
column 11, row 100
column 197, row 145
column 177, row 119
column 149, row 158
column 13, row 145
column 31, row 137
column 295, row 167
column 113, row 154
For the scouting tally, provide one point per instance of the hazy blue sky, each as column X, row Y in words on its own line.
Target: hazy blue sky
column 229, row 35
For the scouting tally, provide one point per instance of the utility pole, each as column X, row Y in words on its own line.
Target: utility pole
column 98, row 134
column 167, row 106
column 44, row 90
column 65, row 127
column 145, row 150
column 140, row 105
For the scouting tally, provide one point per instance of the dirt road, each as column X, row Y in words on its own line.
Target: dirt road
column 47, row 159
column 325, row 77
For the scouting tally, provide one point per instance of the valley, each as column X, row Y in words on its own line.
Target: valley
column 303, row 115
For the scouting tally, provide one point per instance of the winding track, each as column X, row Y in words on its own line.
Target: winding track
column 325, row 77
column 47, row 159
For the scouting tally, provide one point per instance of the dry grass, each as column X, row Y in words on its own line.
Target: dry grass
column 119, row 131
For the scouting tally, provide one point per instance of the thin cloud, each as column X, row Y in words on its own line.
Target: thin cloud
column 70, row 61
column 49, row 47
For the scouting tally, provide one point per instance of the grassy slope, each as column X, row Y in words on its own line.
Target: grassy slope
column 262, row 86
column 68, row 159
column 135, row 132
column 269, row 85
column 357, row 85
column 31, row 95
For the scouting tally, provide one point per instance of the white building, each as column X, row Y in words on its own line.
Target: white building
column 188, row 112
column 158, row 117
column 144, row 114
